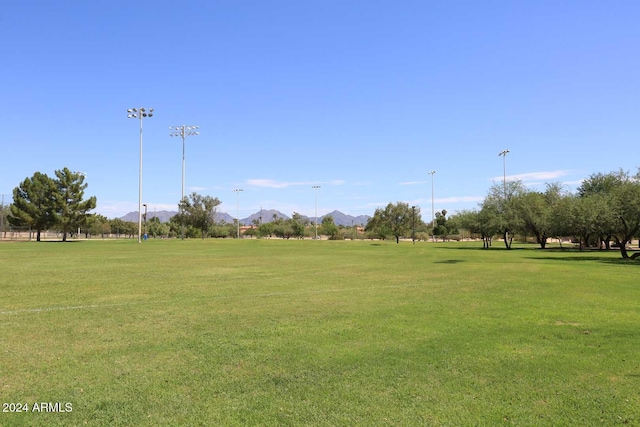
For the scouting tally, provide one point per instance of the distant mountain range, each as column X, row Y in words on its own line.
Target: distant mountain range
column 164, row 216
column 264, row 215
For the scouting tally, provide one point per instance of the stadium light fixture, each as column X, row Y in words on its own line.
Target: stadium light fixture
column 139, row 113
column 183, row 131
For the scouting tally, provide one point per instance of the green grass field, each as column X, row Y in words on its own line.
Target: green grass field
column 271, row 332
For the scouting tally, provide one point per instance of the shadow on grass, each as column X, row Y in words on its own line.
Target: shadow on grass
column 572, row 254
column 480, row 248
column 604, row 260
column 449, row 261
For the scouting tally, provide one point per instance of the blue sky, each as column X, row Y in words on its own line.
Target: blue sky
column 363, row 98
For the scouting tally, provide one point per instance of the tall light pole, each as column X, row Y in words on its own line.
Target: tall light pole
column 140, row 113
column 503, row 153
column 183, row 132
column 315, row 187
column 237, row 191
column 433, row 224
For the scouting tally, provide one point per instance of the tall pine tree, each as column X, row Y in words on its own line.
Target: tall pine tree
column 72, row 209
column 34, row 203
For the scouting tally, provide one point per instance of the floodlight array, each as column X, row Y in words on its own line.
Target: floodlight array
column 139, row 113
column 183, row 131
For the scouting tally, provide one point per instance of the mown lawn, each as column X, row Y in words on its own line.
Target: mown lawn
column 271, row 332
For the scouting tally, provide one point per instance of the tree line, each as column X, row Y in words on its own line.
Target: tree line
column 603, row 212
column 43, row 203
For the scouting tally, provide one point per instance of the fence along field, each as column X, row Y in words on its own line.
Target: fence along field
column 25, row 233
column 273, row 332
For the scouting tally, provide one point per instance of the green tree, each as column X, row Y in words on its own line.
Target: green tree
column 625, row 205
column 329, row 227
column 443, row 227
column 591, row 218
column 500, row 207
column 97, row 225
column 395, row 219
column 156, row 228
column 469, row 220
column 4, row 213
column 198, row 212
column 601, row 187
column 265, row 229
column 601, row 183
column 34, row 204
column 535, row 211
column 465, row 220
column 253, row 231
column 489, row 223
column 561, row 217
column 175, row 226
column 298, row 225
column 484, row 222
column 223, row 230
column 119, row 227
column 376, row 227
column 72, row 209
column 281, row 228
column 614, row 214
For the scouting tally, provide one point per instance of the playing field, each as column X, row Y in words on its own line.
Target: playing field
column 272, row 332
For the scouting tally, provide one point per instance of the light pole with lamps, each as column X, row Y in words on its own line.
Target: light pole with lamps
column 183, row 132
column 237, row 191
column 503, row 153
column 315, row 187
column 433, row 224
column 139, row 113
